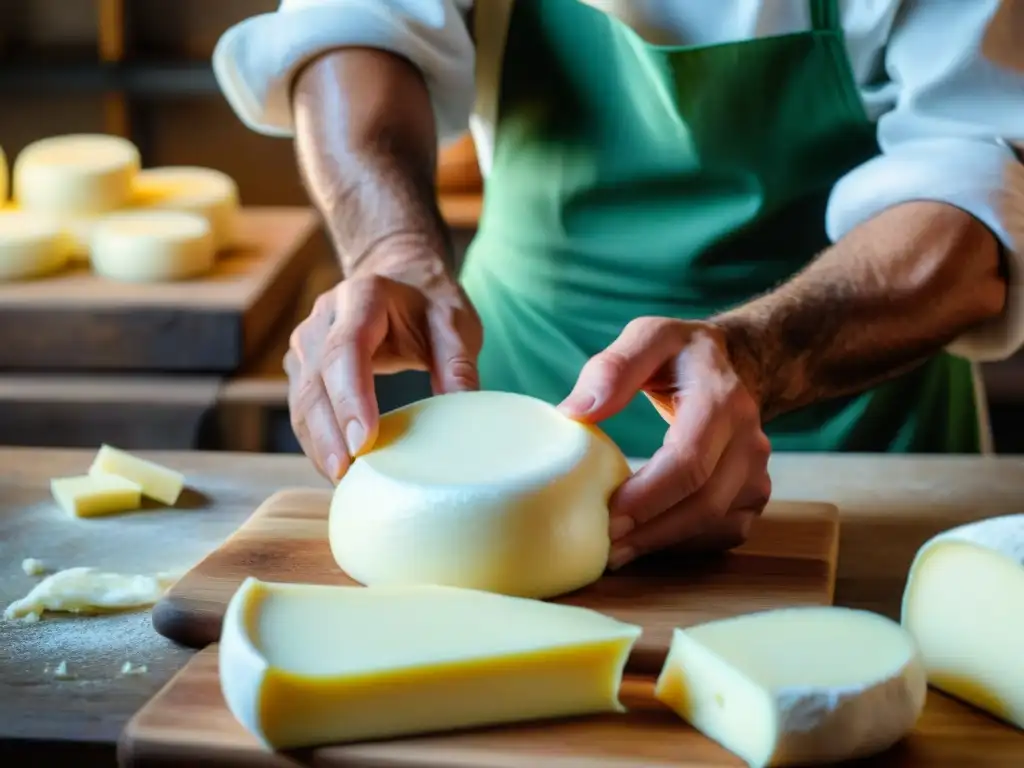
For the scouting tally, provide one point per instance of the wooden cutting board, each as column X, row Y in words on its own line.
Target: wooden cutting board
column 77, row 320
column 187, row 723
column 789, row 560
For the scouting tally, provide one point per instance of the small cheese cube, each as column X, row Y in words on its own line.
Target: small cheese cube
column 962, row 604
column 796, row 686
column 157, row 482
column 95, row 495
column 302, row 665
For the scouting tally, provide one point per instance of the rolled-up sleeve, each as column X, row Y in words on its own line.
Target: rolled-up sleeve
column 959, row 68
column 256, row 60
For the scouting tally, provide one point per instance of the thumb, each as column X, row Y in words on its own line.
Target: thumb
column 613, row 377
column 453, row 362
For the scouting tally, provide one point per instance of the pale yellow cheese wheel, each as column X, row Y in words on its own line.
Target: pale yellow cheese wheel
column 31, row 245
column 75, row 175
column 205, row 191
column 152, row 246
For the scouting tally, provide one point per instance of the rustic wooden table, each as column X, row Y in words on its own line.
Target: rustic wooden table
column 889, row 506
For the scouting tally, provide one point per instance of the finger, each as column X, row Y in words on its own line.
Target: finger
column 611, row 378
column 347, row 365
column 691, row 516
column 453, row 362
column 693, row 447
column 316, row 429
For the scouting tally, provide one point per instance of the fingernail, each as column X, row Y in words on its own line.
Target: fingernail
column 333, row 466
column 577, row 403
column 355, row 436
column 620, row 556
column 620, row 526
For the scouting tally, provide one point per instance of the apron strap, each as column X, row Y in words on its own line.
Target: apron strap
column 825, row 16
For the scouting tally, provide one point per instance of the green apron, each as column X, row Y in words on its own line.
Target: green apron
column 631, row 179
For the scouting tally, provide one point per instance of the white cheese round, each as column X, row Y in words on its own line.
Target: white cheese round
column 962, row 603
column 797, row 686
column 205, row 191
column 152, row 246
column 77, row 174
column 485, row 490
column 31, row 245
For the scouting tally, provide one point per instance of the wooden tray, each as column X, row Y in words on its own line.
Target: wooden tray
column 76, row 320
column 789, row 560
column 187, row 723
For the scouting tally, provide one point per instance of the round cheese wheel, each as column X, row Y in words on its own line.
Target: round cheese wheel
column 482, row 490
column 204, row 191
column 152, row 246
column 78, row 174
column 30, row 245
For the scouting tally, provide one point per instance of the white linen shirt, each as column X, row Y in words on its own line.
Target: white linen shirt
column 944, row 79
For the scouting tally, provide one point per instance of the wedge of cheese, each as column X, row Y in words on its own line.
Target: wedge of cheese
column 96, row 495
column 964, row 605
column 31, row 245
column 482, row 490
column 152, row 246
column 796, row 686
column 155, row 481
column 302, row 665
column 76, row 174
column 204, row 191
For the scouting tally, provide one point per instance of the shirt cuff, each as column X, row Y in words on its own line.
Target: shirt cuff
column 256, row 60
column 985, row 179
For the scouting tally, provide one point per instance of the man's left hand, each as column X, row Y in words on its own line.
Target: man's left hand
column 709, row 481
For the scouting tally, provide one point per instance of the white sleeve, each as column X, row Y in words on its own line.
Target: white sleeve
column 256, row 60
column 960, row 70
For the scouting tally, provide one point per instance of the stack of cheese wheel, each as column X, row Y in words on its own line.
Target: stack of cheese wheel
column 132, row 224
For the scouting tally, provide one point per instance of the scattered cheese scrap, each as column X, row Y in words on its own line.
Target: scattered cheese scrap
column 131, row 669
column 391, row 661
column 157, row 482
column 96, row 494
column 32, row 567
column 88, row 590
column 61, row 672
column 962, row 605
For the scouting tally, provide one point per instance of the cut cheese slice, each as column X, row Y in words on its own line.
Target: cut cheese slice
column 96, row 495
column 483, row 490
column 796, row 686
column 152, row 246
column 963, row 605
column 203, row 191
column 31, row 245
column 156, row 481
column 302, row 665
column 75, row 175
column 89, row 590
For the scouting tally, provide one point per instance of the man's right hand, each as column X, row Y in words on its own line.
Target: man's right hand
column 414, row 318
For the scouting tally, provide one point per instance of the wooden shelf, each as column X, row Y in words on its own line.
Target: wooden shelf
column 135, row 79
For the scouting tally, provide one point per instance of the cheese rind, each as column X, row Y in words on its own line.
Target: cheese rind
column 796, row 686
column 482, row 490
column 155, row 481
column 203, row 191
column 963, row 604
column 152, row 246
column 96, row 495
column 31, row 245
column 76, row 174
column 302, row 665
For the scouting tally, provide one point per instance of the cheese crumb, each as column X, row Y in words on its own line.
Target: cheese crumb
column 33, row 567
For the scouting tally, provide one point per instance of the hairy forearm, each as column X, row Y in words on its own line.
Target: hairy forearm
column 367, row 149
column 883, row 300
